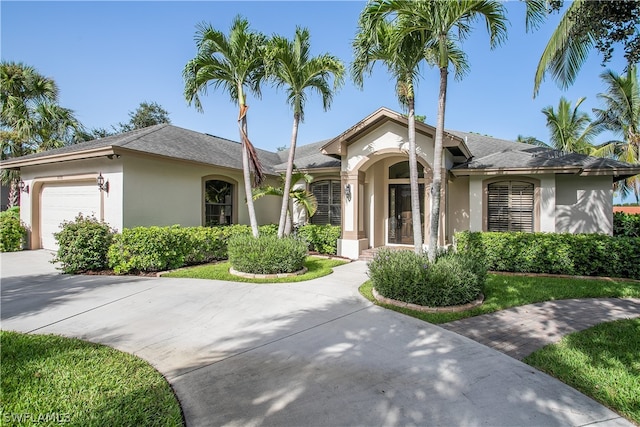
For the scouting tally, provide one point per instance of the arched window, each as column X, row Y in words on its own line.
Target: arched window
column 401, row 170
column 510, row 206
column 218, row 202
column 328, row 196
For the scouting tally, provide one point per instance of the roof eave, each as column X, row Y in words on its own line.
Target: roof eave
column 517, row 171
column 58, row 158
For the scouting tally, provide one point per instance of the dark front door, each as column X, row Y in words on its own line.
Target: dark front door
column 400, row 216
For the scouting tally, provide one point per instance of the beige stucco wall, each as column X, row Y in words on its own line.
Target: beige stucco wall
column 165, row 192
column 70, row 172
column 584, row 204
column 386, row 138
column 458, row 215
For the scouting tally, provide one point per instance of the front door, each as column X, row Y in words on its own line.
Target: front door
column 400, row 216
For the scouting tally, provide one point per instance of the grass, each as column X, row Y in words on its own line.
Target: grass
column 602, row 362
column 316, row 267
column 505, row 291
column 47, row 379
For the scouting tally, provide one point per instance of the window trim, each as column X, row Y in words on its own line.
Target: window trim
column 330, row 182
column 234, row 197
column 536, row 198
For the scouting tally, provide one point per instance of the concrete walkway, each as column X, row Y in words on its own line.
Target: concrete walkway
column 312, row 353
column 520, row 331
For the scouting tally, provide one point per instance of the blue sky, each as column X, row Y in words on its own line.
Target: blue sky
column 107, row 57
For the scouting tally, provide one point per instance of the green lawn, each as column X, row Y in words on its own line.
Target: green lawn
column 51, row 380
column 602, row 362
column 316, row 266
column 504, row 291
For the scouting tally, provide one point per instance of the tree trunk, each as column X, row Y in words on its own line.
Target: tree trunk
column 437, row 167
column 246, row 173
column 413, row 179
column 287, row 180
column 14, row 194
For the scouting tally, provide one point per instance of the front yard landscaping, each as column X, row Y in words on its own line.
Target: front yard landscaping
column 316, row 267
column 505, row 291
column 51, row 380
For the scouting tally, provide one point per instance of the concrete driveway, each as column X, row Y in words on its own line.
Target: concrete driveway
column 305, row 354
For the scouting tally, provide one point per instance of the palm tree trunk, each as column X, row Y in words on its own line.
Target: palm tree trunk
column 413, row 178
column 14, row 194
column 287, row 179
column 437, row 167
column 246, row 173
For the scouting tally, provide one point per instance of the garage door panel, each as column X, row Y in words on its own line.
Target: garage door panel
column 63, row 202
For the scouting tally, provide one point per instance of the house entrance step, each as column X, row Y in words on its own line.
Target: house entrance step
column 368, row 254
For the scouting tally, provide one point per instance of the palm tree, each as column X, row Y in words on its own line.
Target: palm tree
column 22, row 91
column 300, row 196
column 235, row 64
column 570, row 130
column 621, row 115
column 444, row 25
column 290, row 65
column 380, row 40
column 531, row 140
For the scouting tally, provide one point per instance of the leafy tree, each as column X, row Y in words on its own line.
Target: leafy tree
column 586, row 24
column 570, row 130
column 621, row 115
column 235, row 64
column 382, row 40
column 532, row 140
column 290, row 65
column 147, row 114
column 300, row 196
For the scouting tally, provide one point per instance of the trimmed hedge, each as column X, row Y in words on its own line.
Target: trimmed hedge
column 453, row 279
column 267, row 254
column 83, row 244
column 12, row 232
column 321, row 238
column 625, row 224
column 554, row 253
column 149, row 249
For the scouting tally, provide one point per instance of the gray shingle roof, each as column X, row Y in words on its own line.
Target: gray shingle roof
column 492, row 153
column 174, row 142
column 309, row 157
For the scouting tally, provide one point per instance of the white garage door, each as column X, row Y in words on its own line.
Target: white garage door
column 63, row 202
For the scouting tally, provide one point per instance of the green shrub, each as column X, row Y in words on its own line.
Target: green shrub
column 12, row 232
column 149, row 249
column 266, row 254
column 321, row 238
column 554, row 253
column 627, row 225
column 453, row 279
column 83, row 244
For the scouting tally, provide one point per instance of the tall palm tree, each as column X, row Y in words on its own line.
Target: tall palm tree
column 290, row 65
column 621, row 115
column 235, row 64
column 381, row 40
column 570, row 130
column 444, row 24
column 300, row 196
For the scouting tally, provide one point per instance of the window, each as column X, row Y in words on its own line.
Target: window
column 510, row 205
column 218, row 202
column 401, row 170
column 329, row 209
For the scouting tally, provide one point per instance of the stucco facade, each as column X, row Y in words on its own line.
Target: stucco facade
column 160, row 175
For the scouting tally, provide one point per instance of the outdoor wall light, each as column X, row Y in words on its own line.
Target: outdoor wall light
column 23, row 187
column 347, row 192
column 102, row 185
